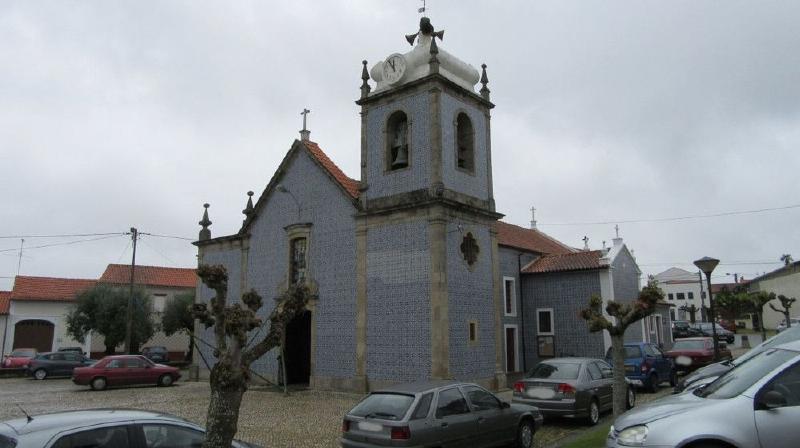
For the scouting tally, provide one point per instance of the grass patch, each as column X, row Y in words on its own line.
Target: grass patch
column 592, row 439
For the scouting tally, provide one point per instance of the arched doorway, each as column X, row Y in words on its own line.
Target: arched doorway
column 34, row 333
column 298, row 349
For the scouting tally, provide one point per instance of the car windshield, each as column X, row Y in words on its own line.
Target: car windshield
column 791, row 334
column 6, row 442
column 156, row 349
column 682, row 344
column 382, row 405
column 23, row 353
column 739, row 379
column 556, row 370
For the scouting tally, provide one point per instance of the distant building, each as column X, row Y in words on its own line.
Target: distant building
column 684, row 289
column 784, row 280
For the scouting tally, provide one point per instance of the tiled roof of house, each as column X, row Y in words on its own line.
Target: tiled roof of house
column 350, row 185
column 719, row 287
column 48, row 288
column 575, row 261
column 5, row 300
column 150, row 276
column 529, row 239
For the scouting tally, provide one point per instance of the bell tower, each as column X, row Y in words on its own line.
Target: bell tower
column 428, row 298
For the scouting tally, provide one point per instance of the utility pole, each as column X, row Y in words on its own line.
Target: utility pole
column 19, row 263
column 129, row 320
column 702, row 298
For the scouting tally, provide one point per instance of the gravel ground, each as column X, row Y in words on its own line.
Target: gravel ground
column 304, row 418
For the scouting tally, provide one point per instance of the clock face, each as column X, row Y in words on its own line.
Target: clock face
column 393, row 68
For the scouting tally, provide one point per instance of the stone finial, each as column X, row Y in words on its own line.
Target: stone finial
column 585, row 243
column 365, row 88
column 305, row 134
column 205, row 233
column 434, row 60
column 484, row 80
column 248, row 210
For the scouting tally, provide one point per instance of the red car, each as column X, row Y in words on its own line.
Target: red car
column 124, row 370
column 692, row 353
column 19, row 358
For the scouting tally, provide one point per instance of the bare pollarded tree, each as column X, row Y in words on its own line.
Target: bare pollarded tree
column 231, row 323
column 786, row 304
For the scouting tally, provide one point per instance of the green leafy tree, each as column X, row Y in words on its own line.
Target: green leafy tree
column 731, row 304
column 103, row 310
column 623, row 315
column 177, row 318
column 786, row 304
column 231, row 324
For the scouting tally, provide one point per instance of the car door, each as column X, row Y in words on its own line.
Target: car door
column 662, row 364
column 495, row 424
column 778, row 426
column 457, row 424
column 105, row 437
column 135, row 371
column 114, row 371
column 600, row 387
column 161, row 435
column 71, row 360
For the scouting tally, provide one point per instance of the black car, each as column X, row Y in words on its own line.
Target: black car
column 56, row 364
column 722, row 334
column 683, row 329
column 156, row 354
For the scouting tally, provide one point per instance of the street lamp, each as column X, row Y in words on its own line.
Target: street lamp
column 707, row 265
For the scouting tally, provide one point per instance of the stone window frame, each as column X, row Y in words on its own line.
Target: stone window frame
column 472, row 332
column 459, row 112
column 387, row 149
column 294, row 232
column 513, row 312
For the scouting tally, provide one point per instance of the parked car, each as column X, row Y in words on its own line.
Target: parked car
column 645, row 365
column 124, row 370
column 56, row 364
column 73, row 349
column 711, row 372
column 727, row 324
column 104, row 428
column 683, row 329
column 794, row 321
column 722, row 334
column 690, row 354
column 570, row 387
column 19, row 358
column 756, row 404
column 156, row 354
column 438, row 413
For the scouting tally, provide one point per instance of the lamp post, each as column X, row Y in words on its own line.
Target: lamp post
column 707, row 265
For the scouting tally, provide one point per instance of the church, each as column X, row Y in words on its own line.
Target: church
column 415, row 274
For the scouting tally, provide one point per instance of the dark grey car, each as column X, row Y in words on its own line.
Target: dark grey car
column 438, row 414
column 57, row 364
column 570, row 387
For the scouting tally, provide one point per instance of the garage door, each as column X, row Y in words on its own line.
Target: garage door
column 36, row 334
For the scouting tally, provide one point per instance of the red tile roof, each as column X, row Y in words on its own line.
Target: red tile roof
column 5, row 301
column 48, row 288
column 150, row 276
column 575, row 261
column 529, row 239
column 350, row 185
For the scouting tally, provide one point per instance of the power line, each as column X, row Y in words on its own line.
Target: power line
column 65, row 243
column 168, row 236
column 157, row 251
column 676, row 218
column 72, row 235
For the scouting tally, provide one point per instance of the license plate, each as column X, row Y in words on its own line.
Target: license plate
column 683, row 360
column 629, row 368
column 369, row 426
column 542, row 393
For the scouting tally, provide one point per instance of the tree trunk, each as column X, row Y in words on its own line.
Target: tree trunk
column 787, row 318
column 190, row 352
column 620, row 385
column 227, row 388
column 763, row 327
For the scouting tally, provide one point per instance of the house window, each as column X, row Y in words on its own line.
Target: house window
column 544, row 330
column 473, row 331
column 297, row 273
column 681, row 296
column 465, row 143
column 509, row 296
column 690, row 295
column 159, row 301
column 670, row 296
column 397, row 150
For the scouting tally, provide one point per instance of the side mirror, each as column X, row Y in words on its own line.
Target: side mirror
column 504, row 405
column 771, row 400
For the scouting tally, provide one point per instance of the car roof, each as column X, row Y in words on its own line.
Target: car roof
column 694, row 338
column 419, row 386
column 60, row 421
column 792, row 346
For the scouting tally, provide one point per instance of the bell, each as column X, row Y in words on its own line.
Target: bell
column 401, row 160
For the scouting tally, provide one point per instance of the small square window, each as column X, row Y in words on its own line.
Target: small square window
column 690, row 295
column 671, row 296
column 545, row 321
column 681, row 296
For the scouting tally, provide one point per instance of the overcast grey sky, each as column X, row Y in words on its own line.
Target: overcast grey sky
column 120, row 114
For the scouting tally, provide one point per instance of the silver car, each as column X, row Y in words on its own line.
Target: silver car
column 756, row 404
column 438, row 414
column 103, row 428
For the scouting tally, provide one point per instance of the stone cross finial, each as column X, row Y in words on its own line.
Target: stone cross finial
column 305, row 133
column 585, row 243
column 533, row 217
column 484, row 80
column 205, row 233
column 616, row 228
column 365, row 88
column 248, row 210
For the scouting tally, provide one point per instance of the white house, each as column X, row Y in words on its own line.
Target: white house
column 683, row 289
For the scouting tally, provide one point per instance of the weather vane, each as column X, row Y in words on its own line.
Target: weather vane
column 422, row 10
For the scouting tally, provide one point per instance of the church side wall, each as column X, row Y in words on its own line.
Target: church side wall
column 398, row 306
column 473, row 184
column 470, row 298
column 417, row 175
column 626, row 288
column 567, row 293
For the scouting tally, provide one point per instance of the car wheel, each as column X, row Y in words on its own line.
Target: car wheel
column 594, row 412
column 630, row 400
column 652, row 383
column 165, row 380
column 525, row 435
column 40, row 374
column 98, row 383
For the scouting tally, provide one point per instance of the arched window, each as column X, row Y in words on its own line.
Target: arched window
column 397, row 153
column 465, row 143
column 297, row 269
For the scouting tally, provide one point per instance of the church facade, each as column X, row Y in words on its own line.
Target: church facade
column 415, row 275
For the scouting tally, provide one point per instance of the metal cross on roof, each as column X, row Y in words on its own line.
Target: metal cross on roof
column 616, row 227
column 305, row 113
